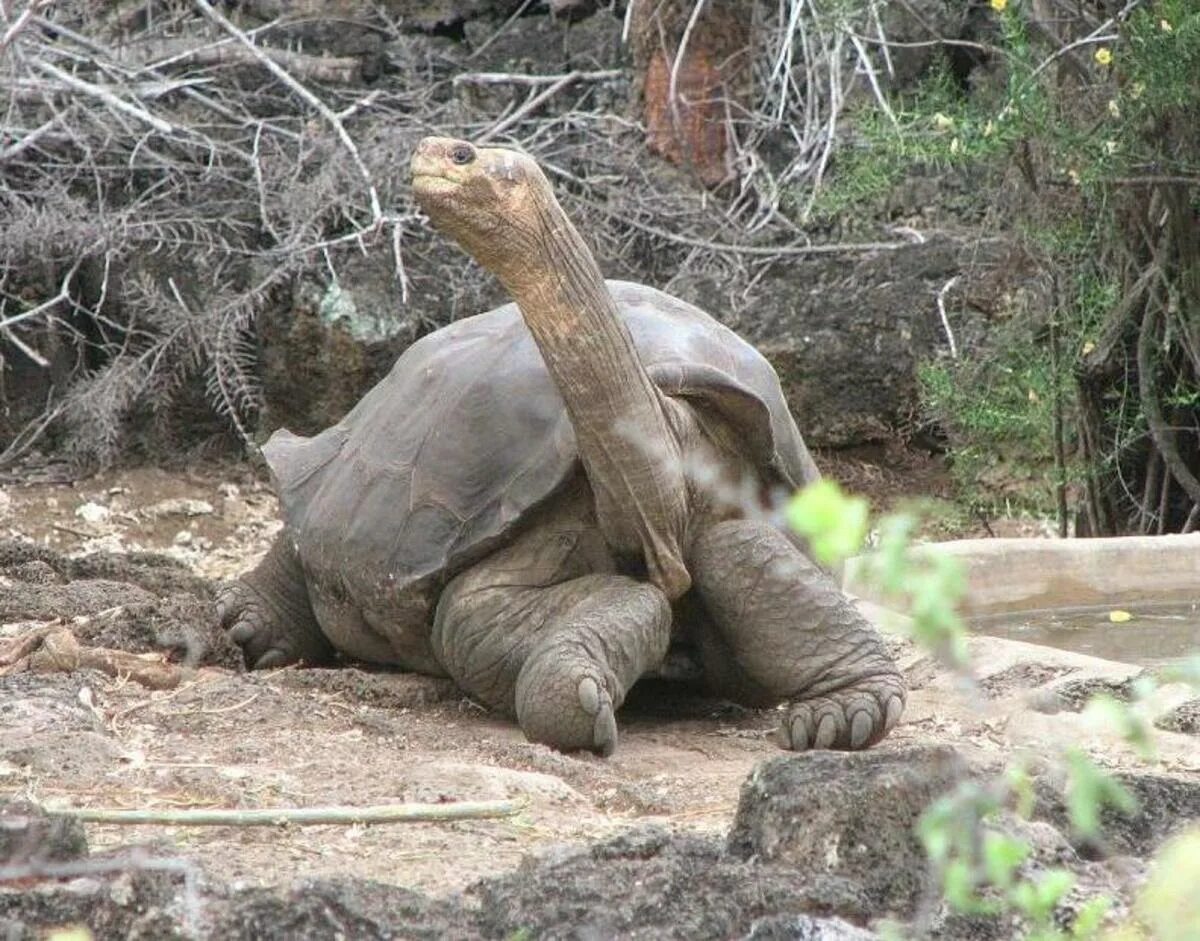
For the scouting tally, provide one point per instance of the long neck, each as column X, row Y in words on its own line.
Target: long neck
column 629, row 450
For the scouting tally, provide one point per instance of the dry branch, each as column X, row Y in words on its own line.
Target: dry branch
column 1164, row 438
column 307, row 96
column 531, row 105
column 105, row 95
column 54, row 649
column 520, row 78
column 23, row 18
column 299, row 816
column 334, row 69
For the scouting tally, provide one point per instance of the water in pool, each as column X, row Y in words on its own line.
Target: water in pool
column 1154, row 634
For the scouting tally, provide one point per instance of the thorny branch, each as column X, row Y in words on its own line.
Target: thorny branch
column 223, row 167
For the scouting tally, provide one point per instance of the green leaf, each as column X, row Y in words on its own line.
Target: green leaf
column 1002, row 856
column 1184, row 671
column 834, row 524
column 1109, row 713
column 1036, row 900
column 1089, row 790
column 1089, row 917
column 958, row 885
column 1169, row 904
column 1021, row 784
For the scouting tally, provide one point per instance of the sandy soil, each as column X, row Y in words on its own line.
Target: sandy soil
column 313, row 737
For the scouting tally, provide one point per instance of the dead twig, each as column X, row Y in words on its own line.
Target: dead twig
column 941, row 305
column 532, row 104
column 298, row 816
column 308, row 97
column 22, row 20
column 103, row 94
column 21, row 647
column 520, row 78
column 54, row 649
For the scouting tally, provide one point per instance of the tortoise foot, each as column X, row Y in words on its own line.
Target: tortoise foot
column 847, row 720
column 267, row 613
column 250, row 623
column 563, row 702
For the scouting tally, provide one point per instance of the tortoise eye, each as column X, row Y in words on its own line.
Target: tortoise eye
column 462, row 154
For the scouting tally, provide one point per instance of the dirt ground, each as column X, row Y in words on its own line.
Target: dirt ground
column 316, row 737
column 305, row 738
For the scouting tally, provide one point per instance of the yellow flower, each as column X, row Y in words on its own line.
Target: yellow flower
column 1073, row 176
column 1110, row 146
column 999, row 5
column 1113, row 108
column 942, row 121
column 989, row 129
column 1164, row 25
column 1104, row 55
column 955, row 146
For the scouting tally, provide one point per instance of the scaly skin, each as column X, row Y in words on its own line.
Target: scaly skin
column 546, row 631
column 780, row 630
column 545, row 628
column 268, row 614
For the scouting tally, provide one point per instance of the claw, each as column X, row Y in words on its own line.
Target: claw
column 271, row 659
column 589, row 696
column 797, row 735
column 895, row 707
column 604, row 732
column 860, row 729
column 827, row 731
column 242, row 632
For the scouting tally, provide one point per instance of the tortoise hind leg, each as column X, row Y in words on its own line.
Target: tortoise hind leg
column 782, row 630
column 268, row 614
column 545, row 630
column 560, row 658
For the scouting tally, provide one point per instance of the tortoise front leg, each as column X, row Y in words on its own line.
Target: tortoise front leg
column 268, row 613
column 780, row 629
column 560, row 658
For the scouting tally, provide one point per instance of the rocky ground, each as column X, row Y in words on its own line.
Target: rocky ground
column 698, row 827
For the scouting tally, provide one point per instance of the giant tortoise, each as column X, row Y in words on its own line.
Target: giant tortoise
column 541, row 501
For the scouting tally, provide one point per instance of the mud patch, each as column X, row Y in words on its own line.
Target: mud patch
column 134, row 602
column 1022, row 676
column 1184, row 718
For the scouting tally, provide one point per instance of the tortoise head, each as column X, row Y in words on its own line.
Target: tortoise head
column 492, row 201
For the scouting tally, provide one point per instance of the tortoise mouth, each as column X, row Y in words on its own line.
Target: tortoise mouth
column 432, row 184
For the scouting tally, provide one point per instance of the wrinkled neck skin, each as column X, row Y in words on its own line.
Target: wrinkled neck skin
column 623, row 424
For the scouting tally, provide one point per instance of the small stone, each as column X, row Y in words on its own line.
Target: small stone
column 178, row 506
column 183, row 537
column 229, row 491
column 92, row 512
column 861, row 830
column 28, row 835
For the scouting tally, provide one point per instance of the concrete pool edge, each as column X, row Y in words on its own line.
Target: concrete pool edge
column 1010, row 575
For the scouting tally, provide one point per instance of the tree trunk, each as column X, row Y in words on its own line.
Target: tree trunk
column 692, row 59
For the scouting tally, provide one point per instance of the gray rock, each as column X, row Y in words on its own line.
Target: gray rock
column 324, row 909
column 29, row 837
column 847, row 815
column 805, row 928
column 846, row 336
column 651, row 884
column 1183, row 718
column 1166, row 804
column 116, row 897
